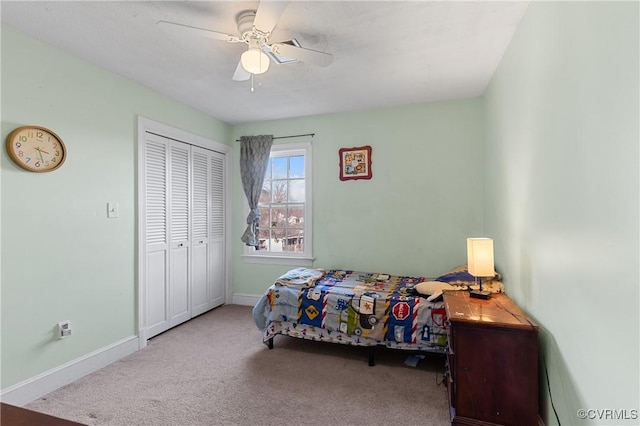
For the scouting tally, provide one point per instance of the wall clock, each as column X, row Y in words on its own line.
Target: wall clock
column 36, row 149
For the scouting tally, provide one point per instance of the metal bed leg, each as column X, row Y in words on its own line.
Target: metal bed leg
column 372, row 356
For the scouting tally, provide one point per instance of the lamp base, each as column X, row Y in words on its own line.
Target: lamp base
column 480, row 294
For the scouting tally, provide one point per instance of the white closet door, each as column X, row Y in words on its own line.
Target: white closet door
column 208, row 256
column 182, row 218
column 179, row 225
column 217, row 220
column 156, row 153
column 200, row 231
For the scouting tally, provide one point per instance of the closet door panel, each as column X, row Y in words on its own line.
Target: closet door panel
column 156, row 157
column 157, row 292
column 179, row 224
column 217, row 282
column 179, row 301
column 199, row 277
column 200, row 230
column 217, row 227
column 217, row 196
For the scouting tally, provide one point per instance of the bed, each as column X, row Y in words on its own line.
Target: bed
column 359, row 308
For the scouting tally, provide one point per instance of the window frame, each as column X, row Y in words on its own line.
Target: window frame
column 305, row 258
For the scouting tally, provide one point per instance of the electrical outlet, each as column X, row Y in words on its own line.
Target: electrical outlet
column 64, row 329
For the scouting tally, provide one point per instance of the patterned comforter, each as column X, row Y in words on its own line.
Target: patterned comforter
column 350, row 307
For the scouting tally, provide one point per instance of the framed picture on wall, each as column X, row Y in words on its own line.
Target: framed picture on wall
column 355, row 163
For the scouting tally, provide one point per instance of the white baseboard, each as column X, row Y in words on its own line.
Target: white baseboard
column 245, row 299
column 33, row 388
column 37, row 386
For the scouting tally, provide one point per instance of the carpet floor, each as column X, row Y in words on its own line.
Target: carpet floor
column 215, row 370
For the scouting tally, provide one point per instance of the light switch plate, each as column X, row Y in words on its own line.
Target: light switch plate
column 113, row 210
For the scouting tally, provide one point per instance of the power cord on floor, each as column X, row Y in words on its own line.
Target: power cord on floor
column 546, row 373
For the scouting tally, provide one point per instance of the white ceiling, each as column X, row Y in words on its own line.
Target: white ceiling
column 385, row 53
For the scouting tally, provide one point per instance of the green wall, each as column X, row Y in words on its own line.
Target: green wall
column 562, row 198
column 62, row 259
column 412, row 217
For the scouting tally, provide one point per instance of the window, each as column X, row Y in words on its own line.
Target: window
column 284, row 231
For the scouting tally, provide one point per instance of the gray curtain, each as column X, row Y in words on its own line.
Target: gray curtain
column 254, row 159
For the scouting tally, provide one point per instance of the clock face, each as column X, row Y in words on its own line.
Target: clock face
column 36, row 149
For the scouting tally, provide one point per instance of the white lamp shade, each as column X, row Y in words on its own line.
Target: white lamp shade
column 480, row 257
column 255, row 61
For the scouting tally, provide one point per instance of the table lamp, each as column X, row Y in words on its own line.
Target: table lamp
column 480, row 263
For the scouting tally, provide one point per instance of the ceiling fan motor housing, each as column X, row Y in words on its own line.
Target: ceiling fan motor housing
column 245, row 23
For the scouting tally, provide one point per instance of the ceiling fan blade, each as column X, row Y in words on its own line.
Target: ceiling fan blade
column 308, row 56
column 241, row 74
column 268, row 14
column 182, row 29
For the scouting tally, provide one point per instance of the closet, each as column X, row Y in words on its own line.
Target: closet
column 182, row 227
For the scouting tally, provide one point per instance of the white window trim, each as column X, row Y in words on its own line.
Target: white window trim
column 250, row 255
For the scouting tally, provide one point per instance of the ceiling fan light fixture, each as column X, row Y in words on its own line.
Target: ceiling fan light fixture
column 255, row 61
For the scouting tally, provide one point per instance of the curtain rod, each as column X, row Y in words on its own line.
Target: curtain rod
column 291, row 136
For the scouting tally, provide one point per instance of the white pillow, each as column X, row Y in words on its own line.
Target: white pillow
column 433, row 289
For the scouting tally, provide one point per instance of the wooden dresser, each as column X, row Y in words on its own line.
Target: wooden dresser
column 492, row 362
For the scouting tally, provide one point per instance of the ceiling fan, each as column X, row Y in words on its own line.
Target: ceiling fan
column 254, row 29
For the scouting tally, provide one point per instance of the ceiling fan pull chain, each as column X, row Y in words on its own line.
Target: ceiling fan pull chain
column 252, row 82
